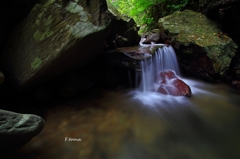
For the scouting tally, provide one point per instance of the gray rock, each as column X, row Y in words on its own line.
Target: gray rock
column 203, row 50
column 55, row 38
column 16, row 130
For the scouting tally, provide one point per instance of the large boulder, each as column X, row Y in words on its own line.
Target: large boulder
column 16, row 130
column 56, row 37
column 226, row 13
column 203, row 50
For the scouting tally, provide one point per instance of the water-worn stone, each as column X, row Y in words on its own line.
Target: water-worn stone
column 17, row 129
column 203, row 50
column 170, row 84
column 56, row 37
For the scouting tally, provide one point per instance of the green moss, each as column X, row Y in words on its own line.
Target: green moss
column 37, row 21
column 40, row 15
column 82, row 29
column 37, row 35
column 48, row 3
column 48, row 33
column 188, row 27
column 73, row 7
column 36, row 63
column 40, row 36
column 192, row 27
column 48, row 21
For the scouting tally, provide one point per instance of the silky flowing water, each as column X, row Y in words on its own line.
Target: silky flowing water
column 131, row 124
column 163, row 59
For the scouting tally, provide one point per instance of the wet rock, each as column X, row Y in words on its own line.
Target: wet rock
column 16, row 130
column 55, row 38
column 170, row 84
column 202, row 49
column 152, row 36
column 128, row 57
column 124, row 31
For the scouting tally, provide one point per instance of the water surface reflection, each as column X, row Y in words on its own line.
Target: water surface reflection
column 132, row 125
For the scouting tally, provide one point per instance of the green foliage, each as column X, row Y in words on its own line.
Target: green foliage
column 177, row 6
column 137, row 9
column 148, row 12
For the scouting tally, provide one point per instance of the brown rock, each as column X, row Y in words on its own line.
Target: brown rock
column 170, row 84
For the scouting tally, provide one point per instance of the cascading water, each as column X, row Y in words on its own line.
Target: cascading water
column 161, row 83
column 163, row 59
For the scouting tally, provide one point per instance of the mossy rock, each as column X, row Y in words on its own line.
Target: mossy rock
column 56, row 37
column 16, row 130
column 199, row 43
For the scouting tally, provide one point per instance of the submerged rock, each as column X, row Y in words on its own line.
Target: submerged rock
column 203, row 50
column 16, row 130
column 170, row 84
column 56, row 37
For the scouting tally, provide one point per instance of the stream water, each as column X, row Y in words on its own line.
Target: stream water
column 131, row 124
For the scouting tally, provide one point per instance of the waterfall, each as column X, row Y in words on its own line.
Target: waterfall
column 163, row 59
